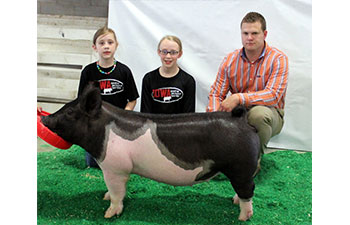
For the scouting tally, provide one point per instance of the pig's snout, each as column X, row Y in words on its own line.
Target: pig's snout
column 43, row 120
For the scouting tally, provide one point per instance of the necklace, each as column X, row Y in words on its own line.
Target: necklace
column 103, row 72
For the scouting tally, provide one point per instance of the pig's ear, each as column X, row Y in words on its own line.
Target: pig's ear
column 91, row 101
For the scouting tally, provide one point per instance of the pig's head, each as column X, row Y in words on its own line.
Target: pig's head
column 74, row 121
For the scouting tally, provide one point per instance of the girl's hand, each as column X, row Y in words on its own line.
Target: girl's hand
column 39, row 108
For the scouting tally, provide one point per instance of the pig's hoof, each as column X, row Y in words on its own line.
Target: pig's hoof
column 244, row 216
column 246, row 210
column 111, row 211
column 235, row 200
column 107, row 196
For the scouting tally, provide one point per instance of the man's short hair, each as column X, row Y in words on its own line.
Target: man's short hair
column 252, row 17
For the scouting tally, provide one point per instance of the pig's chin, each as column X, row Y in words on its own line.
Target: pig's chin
column 48, row 124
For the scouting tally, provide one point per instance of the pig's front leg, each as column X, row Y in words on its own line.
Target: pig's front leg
column 116, row 184
column 245, row 206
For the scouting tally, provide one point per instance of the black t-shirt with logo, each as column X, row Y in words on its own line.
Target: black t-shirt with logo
column 168, row 95
column 117, row 88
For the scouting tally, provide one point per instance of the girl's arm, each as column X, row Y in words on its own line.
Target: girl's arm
column 130, row 105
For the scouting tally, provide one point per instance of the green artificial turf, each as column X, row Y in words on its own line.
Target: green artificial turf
column 70, row 193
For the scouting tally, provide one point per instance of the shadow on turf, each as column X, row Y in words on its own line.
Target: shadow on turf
column 185, row 208
column 266, row 165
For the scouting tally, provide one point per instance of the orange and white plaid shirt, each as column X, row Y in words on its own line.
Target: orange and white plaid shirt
column 263, row 82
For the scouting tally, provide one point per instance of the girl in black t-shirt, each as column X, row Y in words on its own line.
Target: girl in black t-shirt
column 115, row 79
column 168, row 89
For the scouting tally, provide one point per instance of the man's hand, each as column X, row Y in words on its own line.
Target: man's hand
column 229, row 103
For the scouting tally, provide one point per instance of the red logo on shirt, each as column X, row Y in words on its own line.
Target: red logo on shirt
column 111, row 86
column 167, row 95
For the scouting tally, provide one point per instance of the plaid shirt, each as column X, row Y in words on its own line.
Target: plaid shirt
column 263, row 82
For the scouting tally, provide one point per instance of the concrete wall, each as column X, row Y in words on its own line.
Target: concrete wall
column 91, row 8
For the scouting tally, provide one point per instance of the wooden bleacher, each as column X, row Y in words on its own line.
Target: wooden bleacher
column 64, row 47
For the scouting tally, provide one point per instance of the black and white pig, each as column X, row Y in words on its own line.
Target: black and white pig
column 180, row 150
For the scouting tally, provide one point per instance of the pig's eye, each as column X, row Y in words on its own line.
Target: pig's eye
column 69, row 112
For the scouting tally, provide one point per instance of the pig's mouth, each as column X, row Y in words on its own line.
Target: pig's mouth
column 50, row 135
column 45, row 122
column 50, row 124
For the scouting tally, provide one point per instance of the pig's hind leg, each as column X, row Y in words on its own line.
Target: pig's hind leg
column 116, row 185
column 235, row 199
column 244, row 187
column 246, row 206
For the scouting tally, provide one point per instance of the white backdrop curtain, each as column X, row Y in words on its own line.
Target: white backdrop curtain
column 209, row 30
